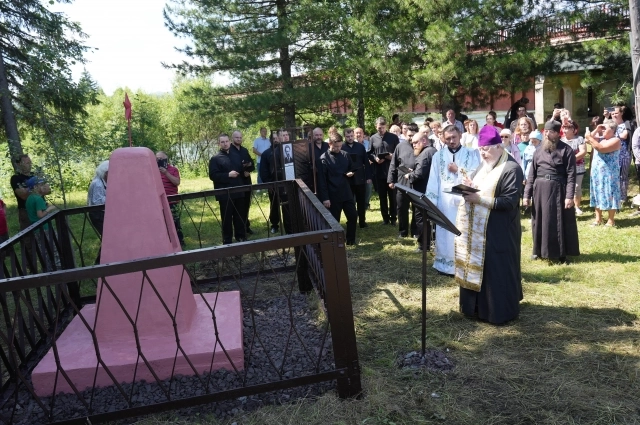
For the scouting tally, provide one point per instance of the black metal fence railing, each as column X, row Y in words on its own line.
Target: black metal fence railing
column 294, row 304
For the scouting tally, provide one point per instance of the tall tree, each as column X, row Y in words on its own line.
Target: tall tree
column 275, row 51
column 36, row 45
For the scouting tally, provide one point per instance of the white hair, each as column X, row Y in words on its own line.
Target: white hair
column 102, row 169
column 505, row 131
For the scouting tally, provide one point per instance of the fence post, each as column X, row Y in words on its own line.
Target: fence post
column 340, row 312
column 67, row 259
column 295, row 214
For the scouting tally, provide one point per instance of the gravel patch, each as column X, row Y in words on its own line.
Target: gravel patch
column 433, row 360
column 308, row 351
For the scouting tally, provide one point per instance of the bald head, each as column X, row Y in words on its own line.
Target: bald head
column 318, row 135
column 236, row 138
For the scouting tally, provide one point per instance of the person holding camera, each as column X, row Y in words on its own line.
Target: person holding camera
column 605, row 171
column 171, row 180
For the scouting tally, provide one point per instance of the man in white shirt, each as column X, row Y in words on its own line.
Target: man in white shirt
column 260, row 145
column 451, row 120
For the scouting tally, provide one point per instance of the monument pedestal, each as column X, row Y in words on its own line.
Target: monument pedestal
column 77, row 352
column 138, row 224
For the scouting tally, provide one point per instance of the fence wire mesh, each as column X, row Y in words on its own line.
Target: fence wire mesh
column 294, row 327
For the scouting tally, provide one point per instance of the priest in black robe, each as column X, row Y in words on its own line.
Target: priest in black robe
column 334, row 190
column 487, row 253
column 551, row 185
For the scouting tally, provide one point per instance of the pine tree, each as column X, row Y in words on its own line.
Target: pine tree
column 37, row 48
column 276, row 51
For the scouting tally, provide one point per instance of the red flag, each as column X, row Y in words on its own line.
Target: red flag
column 127, row 107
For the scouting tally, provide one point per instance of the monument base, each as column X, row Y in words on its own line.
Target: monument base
column 77, row 352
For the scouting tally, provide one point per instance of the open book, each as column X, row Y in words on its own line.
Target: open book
column 460, row 189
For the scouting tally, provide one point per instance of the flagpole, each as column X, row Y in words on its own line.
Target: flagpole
column 127, row 115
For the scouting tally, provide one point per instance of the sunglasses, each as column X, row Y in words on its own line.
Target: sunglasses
column 504, row 137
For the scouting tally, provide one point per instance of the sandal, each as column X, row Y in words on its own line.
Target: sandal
column 610, row 224
column 595, row 224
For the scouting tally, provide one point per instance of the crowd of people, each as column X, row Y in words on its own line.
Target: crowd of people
column 480, row 178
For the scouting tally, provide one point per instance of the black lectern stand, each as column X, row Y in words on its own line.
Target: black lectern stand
column 429, row 212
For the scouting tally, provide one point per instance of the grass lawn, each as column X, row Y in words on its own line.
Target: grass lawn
column 573, row 356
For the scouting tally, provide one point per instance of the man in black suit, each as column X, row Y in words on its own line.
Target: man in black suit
column 382, row 146
column 287, row 154
column 272, row 170
column 362, row 173
column 247, row 167
column 226, row 170
column 333, row 185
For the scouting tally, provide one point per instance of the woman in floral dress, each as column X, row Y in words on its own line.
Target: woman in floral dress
column 605, row 171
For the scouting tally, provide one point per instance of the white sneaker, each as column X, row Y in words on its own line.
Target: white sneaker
column 578, row 211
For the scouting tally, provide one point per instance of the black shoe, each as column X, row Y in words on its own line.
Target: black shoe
column 393, row 221
column 363, row 225
column 402, row 235
column 385, row 223
column 444, row 274
column 351, row 242
column 249, row 232
column 275, row 229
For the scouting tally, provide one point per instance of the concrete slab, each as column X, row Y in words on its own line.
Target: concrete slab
column 78, row 355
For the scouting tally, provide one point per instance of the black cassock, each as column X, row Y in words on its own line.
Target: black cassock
column 333, row 186
column 501, row 291
column 551, row 180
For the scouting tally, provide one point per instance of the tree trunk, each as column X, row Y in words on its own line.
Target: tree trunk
column 8, row 117
column 360, row 113
column 289, row 104
column 634, row 18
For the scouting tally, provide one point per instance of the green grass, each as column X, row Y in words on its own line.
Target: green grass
column 573, row 356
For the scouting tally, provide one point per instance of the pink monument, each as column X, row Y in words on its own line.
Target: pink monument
column 138, row 224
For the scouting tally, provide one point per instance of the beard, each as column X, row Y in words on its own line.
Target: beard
column 549, row 145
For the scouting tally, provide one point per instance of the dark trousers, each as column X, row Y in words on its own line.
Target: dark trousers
column 421, row 222
column 360, row 194
column 349, row 209
column 231, row 211
column 402, row 203
column 638, row 172
column 387, row 201
column 247, row 200
column 274, row 211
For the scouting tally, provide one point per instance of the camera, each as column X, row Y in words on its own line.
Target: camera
column 162, row 163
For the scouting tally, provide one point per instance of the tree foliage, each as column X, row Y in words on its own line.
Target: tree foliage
column 275, row 50
column 37, row 48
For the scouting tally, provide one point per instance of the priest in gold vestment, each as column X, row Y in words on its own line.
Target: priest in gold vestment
column 487, row 253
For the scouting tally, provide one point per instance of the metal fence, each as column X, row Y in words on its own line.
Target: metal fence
column 594, row 21
column 295, row 299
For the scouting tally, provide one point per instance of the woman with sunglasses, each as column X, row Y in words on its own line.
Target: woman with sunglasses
column 510, row 147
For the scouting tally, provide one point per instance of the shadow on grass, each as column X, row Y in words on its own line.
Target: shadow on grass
column 607, row 257
column 552, row 365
